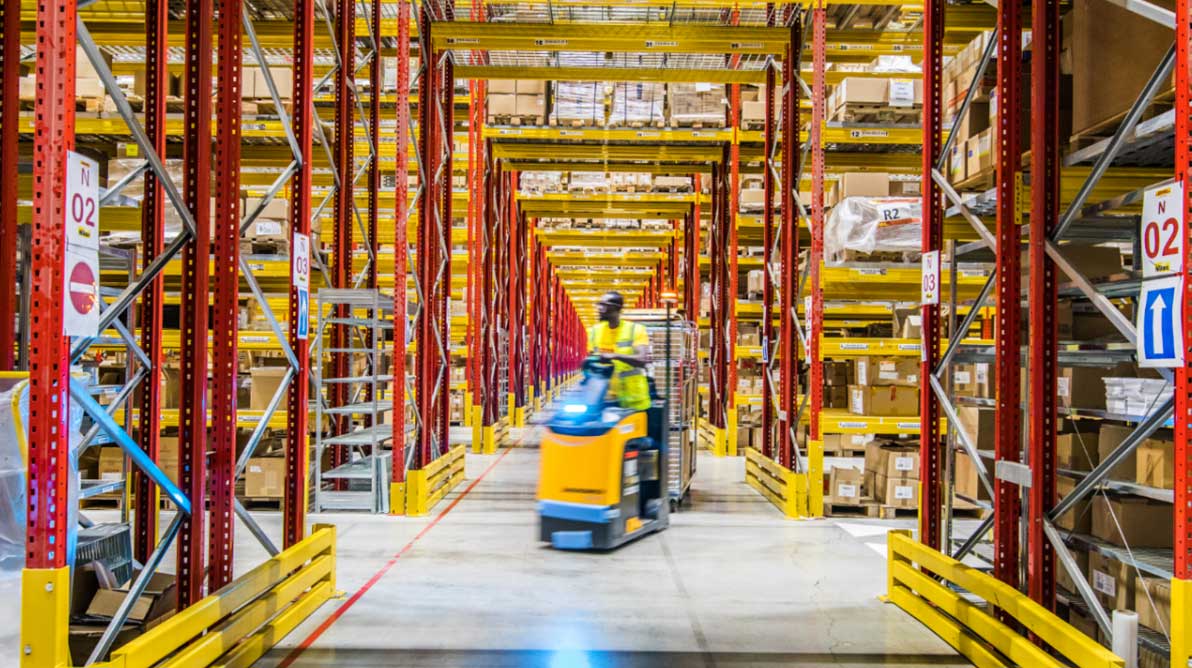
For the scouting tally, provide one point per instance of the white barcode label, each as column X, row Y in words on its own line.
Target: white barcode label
column 862, row 371
column 904, row 492
column 887, row 375
column 846, row 491
column 912, row 378
column 982, row 372
column 962, row 377
column 904, row 463
column 1063, row 386
column 902, row 93
column 1105, row 584
column 110, row 475
column 268, row 228
column 861, row 439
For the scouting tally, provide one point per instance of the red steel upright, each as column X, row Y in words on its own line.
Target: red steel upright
column 1181, row 638
column 343, row 152
column 10, row 108
column 401, row 253
column 153, row 208
column 225, row 303
column 815, row 260
column 1008, row 416
column 788, row 346
column 192, row 427
column 45, row 582
column 1044, row 335
column 298, row 394
column 769, row 146
column 930, row 443
column 374, row 133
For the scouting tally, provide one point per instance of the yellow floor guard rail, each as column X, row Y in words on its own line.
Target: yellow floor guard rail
column 786, row 489
column 425, row 487
column 972, row 630
column 238, row 624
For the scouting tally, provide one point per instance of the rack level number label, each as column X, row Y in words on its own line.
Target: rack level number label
column 1161, row 323
column 1162, row 233
column 81, row 272
column 931, row 278
column 301, row 272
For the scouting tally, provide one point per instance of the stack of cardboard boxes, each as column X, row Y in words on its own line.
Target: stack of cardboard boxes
column 859, row 98
column 884, row 386
column 696, row 105
column 892, row 474
column 516, row 101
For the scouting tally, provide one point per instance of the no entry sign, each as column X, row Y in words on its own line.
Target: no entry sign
column 81, row 226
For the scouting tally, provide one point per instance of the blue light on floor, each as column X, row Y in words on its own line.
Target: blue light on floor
column 570, row 658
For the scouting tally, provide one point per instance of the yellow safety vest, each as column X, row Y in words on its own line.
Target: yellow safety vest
column 628, row 384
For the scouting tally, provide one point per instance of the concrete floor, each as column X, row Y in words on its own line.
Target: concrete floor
column 730, row 584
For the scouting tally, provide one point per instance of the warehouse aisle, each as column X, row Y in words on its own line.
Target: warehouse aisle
column 730, row 584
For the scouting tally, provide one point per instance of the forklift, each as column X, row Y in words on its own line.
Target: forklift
column 603, row 477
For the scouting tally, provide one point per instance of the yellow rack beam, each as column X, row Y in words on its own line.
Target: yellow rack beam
column 628, row 37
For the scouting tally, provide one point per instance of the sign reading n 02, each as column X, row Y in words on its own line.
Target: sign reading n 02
column 81, row 271
column 1160, row 320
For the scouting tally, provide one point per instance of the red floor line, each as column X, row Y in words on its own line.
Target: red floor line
column 376, row 577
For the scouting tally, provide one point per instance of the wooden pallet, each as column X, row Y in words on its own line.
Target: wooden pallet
column 864, row 508
column 1091, row 135
column 262, row 502
column 248, row 247
column 699, row 124
column 978, row 182
column 515, row 119
column 845, row 452
column 575, row 123
column 658, row 124
column 875, row 113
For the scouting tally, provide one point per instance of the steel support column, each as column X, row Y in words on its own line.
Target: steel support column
column 46, row 578
column 518, row 262
column 297, row 398
column 1181, row 633
column 10, row 118
column 788, row 346
column 1008, row 417
column 401, row 220
column 374, row 133
column 1044, row 334
column 770, row 139
column 226, row 298
column 931, row 441
column 815, row 261
column 153, row 209
column 445, row 130
column 196, row 273
column 344, row 143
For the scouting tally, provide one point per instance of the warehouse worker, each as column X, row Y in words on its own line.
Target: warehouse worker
column 627, row 345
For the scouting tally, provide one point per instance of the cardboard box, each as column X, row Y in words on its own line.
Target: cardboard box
column 1092, row 262
column 897, row 492
column 1084, row 386
column 1152, row 602
column 1083, row 623
column 1080, row 518
column 1108, row 439
column 265, row 477
column 883, row 400
column 753, row 110
column 975, row 121
column 886, row 371
column 836, row 396
column 1113, row 53
column 968, row 483
column 845, row 485
column 1133, row 521
column 111, row 463
column 978, row 152
column 964, row 380
column 530, row 105
column 159, row 598
column 978, row 424
column 167, row 456
column 1155, row 463
column 502, row 105
column 1065, row 581
column 864, row 184
column 171, row 385
column 908, row 323
column 265, row 381
column 837, row 372
column 957, row 163
column 1077, row 451
column 1112, row 581
column 891, row 462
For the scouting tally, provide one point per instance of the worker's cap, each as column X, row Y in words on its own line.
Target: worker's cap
column 613, row 299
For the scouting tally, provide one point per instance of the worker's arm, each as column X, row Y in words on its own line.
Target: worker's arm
column 641, row 350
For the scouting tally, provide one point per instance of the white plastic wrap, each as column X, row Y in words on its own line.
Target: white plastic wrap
column 637, row 102
column 579, row 101
column 873, row 224
column 902, row 64
column 697, row 103
column 14, row 421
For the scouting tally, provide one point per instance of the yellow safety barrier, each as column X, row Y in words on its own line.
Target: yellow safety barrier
column 427, row 486
column 1181, row 622
column 238, row 624
column 914, row 584
column 786, row 489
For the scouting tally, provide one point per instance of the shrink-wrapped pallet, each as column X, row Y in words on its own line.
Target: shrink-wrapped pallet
column 697, row 104
column 579, row 103
column 873, row 224
column 637, row 103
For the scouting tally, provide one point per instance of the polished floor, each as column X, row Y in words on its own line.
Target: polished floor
column 731, row 584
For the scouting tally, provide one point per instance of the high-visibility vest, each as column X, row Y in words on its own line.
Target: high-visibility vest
column 628, row 384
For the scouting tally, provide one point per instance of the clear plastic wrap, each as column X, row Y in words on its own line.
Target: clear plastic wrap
column 637, row 102
column 898, row 64
column 873, row 224
column 14, row 411
column 581, row 102
column 697, row 103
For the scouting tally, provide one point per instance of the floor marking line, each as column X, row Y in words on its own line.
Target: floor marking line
column 376, row 577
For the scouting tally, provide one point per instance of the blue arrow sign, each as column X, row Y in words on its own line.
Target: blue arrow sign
column 303, row 313
column 1160, row 323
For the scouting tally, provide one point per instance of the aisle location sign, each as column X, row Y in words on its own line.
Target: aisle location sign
column 931, row 278
column 1160, row 236
column 301, row 272
column 80, row 304
column 1160, row 323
